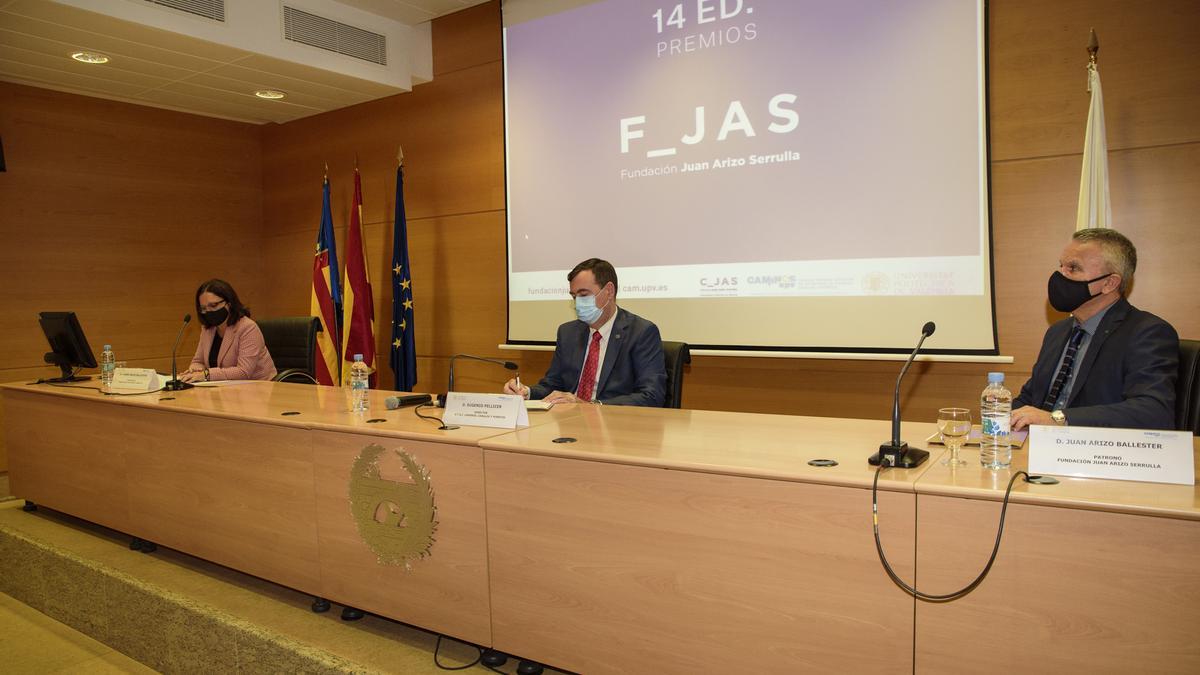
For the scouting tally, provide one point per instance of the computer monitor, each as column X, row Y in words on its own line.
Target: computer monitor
column 70, row 347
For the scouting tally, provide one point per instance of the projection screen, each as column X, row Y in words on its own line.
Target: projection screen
column 803, row 175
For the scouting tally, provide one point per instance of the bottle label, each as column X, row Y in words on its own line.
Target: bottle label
column 996, row 425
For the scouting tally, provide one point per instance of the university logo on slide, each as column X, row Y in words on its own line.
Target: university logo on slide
column 396, row 519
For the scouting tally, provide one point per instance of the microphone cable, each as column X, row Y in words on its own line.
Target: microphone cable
column 431, row 418
column 477, row 662
column 438, row 648
column 911, row 590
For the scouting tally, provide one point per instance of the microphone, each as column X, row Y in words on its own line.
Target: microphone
column 174, row 384
column 507, row 364
column 394, row 402
column 897, row 452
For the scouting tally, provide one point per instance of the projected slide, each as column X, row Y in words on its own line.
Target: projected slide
column 805, row 169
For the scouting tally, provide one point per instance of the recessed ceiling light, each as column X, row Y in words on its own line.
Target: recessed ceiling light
column 89, row 57
column 269, row 93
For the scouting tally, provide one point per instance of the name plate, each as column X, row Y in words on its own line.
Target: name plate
column 134, row 379
column 1116, row 454
column 500, row 411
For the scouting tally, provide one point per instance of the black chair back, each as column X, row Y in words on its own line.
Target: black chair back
column 1187, row 389
column 676, row 355
column 292, row 341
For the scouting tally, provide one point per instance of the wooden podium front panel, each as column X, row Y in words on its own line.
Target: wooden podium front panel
column 444, row 591
column 234, row 492
column 64, row 453
column 605, row 568
column 1072, row 590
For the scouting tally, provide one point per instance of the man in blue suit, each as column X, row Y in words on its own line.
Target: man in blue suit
column 610, row 355
column 1109, row 364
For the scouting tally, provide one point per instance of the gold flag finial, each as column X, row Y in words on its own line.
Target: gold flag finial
column 400, row 155
column 326, row 170
column 1093, row 47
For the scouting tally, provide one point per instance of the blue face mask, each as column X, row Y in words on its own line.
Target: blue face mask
column 586, row 309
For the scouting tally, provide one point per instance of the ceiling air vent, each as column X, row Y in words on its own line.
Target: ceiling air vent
column 334, row 36
column 209, row 9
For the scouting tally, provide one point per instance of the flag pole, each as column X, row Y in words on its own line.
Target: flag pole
column 1093, row 49
column 1095, row 206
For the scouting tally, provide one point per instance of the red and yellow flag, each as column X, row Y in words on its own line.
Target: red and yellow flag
column 358, row 305
column 326, row 302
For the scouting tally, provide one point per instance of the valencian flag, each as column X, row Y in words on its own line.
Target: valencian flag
column 1095, row 209
column 358, row 307
column 327, row 297
column 404, row 348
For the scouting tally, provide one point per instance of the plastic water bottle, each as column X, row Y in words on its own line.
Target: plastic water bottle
column 995, row 411
column 108, row 363
column 360, row 379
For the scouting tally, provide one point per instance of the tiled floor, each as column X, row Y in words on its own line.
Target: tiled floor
column 31, row 642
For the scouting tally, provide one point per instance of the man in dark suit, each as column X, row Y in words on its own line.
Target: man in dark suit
column 1109, row 364
column 610, row 355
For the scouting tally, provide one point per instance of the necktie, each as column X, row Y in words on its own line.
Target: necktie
column 1064, row 372
column 587, row 381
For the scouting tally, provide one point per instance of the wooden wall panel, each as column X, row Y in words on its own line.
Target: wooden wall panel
column 1038, row 56
column 467, row 38
column 1153, row 204
column 452, row 133
column 118, row 212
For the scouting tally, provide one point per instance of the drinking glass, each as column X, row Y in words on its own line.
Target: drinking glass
column 954, row 424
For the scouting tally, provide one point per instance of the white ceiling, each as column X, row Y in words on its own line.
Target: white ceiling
column 166, row 69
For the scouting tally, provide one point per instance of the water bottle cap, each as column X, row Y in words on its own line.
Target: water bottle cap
column 107, row 347
column 358, row 357
column 995, row 377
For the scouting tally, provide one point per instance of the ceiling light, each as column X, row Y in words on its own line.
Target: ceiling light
column 272, row 94
column 89, row 57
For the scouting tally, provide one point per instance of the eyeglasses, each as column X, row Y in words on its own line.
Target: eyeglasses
column 212, row 306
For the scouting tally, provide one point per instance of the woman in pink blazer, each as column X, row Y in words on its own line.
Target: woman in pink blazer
column 231, row 345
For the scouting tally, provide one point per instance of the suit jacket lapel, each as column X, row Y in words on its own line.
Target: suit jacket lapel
column 616, row 340
column 1108, row 324
column 581, row 341
column 226, row 342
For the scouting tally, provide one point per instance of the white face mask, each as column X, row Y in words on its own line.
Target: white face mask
column 586, row 309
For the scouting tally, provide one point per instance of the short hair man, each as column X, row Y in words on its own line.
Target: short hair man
column 610, row 355
column 1109, row 364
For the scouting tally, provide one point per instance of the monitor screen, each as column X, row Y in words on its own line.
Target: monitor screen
column 69, row 348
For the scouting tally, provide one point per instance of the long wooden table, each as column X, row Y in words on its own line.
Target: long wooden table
column 257, row 477
column 654, row 541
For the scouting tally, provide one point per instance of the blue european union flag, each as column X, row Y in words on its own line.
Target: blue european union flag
column 404, row 347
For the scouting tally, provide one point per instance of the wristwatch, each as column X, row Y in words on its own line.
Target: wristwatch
column 206, row 374
column 1059, row 417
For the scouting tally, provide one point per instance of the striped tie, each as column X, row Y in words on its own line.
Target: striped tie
column 1064, row 372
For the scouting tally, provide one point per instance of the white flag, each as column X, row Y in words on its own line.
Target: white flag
column 1095, row 210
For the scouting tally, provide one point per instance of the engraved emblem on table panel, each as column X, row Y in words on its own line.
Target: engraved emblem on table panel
column 396, row 518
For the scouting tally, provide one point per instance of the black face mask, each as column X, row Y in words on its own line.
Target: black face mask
column 1067, row 295
column 214, row 318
